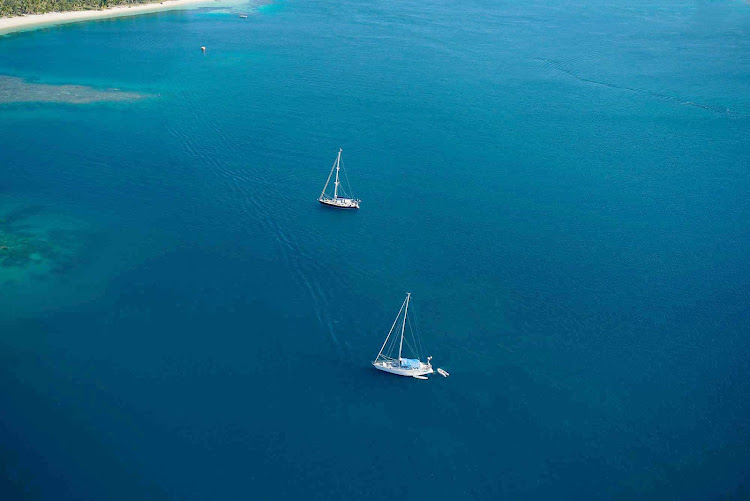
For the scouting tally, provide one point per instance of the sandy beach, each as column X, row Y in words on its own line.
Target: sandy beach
column 22, row 23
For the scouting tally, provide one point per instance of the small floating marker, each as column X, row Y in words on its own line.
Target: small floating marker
column 443, row 372
column 203, row 49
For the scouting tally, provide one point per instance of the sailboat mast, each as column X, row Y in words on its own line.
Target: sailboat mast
column 403, row 326
column 336, row 185
column 322, row 193
column 391, row 331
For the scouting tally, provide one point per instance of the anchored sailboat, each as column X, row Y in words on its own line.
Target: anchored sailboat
column 385, row 361
column 345, row 202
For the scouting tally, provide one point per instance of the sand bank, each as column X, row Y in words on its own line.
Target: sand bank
column 32, row 21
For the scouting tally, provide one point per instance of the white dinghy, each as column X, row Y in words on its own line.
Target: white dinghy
column 401, row 366
column 342, row 202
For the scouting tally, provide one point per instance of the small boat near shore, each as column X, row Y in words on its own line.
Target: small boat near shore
column 386, row 362
column 338, row 201
column 243, row 16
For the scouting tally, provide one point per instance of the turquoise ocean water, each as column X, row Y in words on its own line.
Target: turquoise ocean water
column 564, row 188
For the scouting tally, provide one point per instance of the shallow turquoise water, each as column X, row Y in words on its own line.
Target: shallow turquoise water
column 564, row 189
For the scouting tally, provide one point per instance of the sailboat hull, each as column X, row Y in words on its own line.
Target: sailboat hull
column 393, row 368
column 340, row 203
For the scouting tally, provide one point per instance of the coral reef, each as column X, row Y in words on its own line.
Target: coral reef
column 33, row 241
column 18, row 249
column 16, row 90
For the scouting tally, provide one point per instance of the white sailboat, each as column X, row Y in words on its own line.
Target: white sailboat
column 345, row 202
column 401, row 366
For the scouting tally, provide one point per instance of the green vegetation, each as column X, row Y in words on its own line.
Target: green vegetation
column 19, row 7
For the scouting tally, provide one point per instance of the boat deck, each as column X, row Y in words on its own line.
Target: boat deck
column 394, row 368
column 342, row 203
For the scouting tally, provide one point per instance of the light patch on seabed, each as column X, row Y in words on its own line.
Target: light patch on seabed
column 235, row 7
column 63, row 257
column 16, row 90
column 38, row 249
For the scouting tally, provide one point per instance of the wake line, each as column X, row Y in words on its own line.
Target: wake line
column 665, row 97
column 302, row 265
column 288, row 246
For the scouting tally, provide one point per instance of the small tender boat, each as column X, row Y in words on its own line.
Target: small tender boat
column 401, row 366
column 420, row 377
column 443, row 372
column 345, row 202
column 243, row 16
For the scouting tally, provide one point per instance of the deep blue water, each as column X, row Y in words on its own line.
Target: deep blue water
column 564, row 188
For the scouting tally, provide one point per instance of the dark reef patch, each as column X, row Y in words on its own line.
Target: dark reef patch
column 34, row 242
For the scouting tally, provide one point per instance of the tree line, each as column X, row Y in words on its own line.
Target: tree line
column 19, row 7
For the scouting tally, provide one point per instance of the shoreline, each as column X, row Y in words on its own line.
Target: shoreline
column 33, row 21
